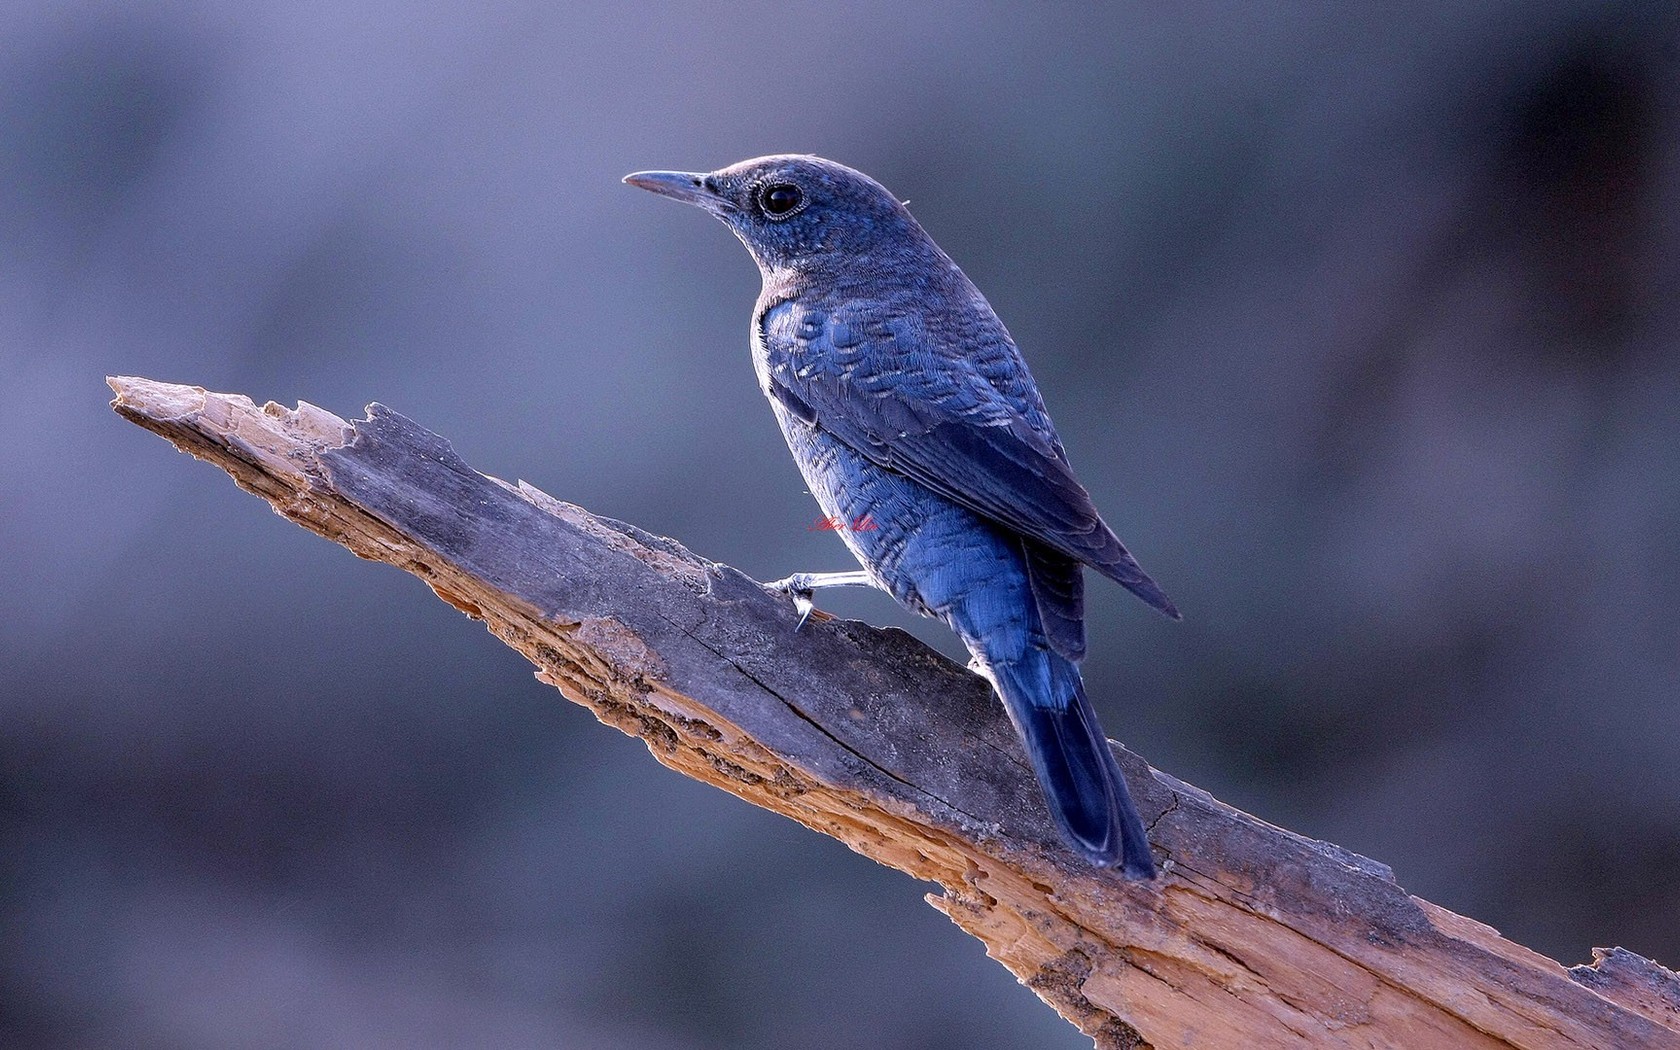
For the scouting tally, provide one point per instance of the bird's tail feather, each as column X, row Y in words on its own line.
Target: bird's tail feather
column 1076, row 769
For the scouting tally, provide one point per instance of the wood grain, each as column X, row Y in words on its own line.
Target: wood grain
column 1254, row 937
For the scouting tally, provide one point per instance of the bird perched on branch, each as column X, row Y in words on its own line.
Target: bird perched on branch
column 905, row 402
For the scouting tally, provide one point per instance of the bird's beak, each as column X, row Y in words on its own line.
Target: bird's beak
column 686, row 186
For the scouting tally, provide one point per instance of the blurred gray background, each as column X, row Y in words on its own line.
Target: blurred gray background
column 1360, row 325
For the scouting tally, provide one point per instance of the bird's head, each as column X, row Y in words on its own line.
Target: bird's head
column 797, row 211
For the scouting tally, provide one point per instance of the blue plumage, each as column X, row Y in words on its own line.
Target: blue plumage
column 904, row 400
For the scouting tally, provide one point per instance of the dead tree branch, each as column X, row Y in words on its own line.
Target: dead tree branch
column 1254, row 937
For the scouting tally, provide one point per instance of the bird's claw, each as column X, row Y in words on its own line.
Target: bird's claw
column 797, row 587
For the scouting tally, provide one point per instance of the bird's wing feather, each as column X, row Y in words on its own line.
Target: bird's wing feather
column 963, row 420
column 1058, row 588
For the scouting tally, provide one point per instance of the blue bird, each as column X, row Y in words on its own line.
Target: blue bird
column 907, row 405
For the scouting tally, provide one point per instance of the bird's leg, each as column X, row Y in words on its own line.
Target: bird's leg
column 801, row 585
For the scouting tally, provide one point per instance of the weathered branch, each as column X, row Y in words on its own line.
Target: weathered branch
column 1254, row 937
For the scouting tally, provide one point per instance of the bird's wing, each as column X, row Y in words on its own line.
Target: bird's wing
column 963, row 420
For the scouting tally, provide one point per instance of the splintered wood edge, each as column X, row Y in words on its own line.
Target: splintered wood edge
column 1201, row 966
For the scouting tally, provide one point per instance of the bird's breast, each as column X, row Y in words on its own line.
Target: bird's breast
column 797, row 342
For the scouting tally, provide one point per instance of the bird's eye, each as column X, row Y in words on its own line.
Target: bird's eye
column 781, row 200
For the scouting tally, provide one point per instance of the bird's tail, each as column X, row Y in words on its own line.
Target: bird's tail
column 1076, row 769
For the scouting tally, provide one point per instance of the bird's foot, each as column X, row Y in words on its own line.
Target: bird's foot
column 798, row 588
column 801, row 586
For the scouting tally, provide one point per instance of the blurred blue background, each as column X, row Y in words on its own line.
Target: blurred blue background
column 1359, row 321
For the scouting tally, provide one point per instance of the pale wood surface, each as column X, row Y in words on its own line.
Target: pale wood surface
column 1254, row 937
